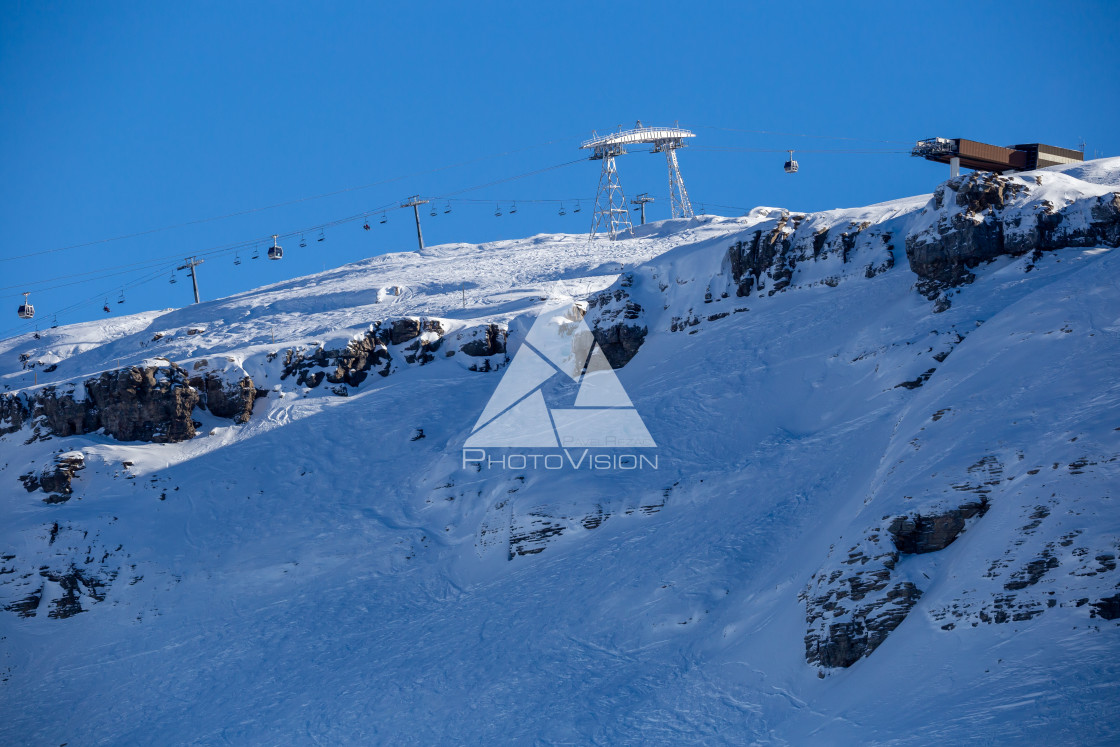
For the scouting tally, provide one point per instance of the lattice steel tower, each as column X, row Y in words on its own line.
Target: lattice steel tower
column 611, row 215
column 678, row 195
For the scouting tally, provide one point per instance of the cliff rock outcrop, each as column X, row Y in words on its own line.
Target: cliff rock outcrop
column 977, row 217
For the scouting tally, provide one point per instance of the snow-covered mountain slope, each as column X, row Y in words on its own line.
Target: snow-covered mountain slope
column 876, row 517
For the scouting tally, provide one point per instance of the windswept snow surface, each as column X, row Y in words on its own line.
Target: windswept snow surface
column 322, row 575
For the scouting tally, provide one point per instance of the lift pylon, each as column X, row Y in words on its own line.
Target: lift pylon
column 189, row 265
column 611, row 215
column 415, row 202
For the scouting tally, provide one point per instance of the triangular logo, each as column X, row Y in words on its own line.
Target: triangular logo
column 560, row 342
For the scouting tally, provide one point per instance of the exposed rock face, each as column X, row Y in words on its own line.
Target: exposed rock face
column 143, row 404
column 921, row 534
column 977, row 217
column 13, row 413
column 1107, row 608
column 137, row 403
column 846, row 643
column 151, row 403
column 226, row 399
column 65, row 414
column 620, row 342
column 72, row 571
column 56, row 481
column 1049, row 564
column 851, row 610
column 412, row 339
column 491, row 342
column 351, row 365
column 765, row 253
column 767, row 259
column 403, row 330
column 75, row 583
column 851, row 605
column 616, row 322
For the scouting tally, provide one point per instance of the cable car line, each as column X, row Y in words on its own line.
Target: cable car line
column 226, row 249
column 734, row 149
column 801, row 134
column 160, row 264
column 286, row 203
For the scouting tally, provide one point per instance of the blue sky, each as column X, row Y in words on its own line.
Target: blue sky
column 120, row 118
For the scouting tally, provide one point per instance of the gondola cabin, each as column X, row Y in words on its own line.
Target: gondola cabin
column 26, row 310
column 275, row 251
column 791, row 165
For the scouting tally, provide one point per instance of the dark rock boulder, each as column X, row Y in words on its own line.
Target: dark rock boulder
column 854, row 602
column 615, row 321
column 226, row 399
column 620, row 342
column 491, row 342
column 56, row 480
column 921, row 534
column 1108, row 608
column 404, row 330
column 352, row 365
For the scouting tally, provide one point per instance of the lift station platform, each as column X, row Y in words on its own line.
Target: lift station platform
column 971, row 154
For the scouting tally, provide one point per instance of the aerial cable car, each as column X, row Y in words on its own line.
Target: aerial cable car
column 26, row 310
column 276, row 251
column 791, row 165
